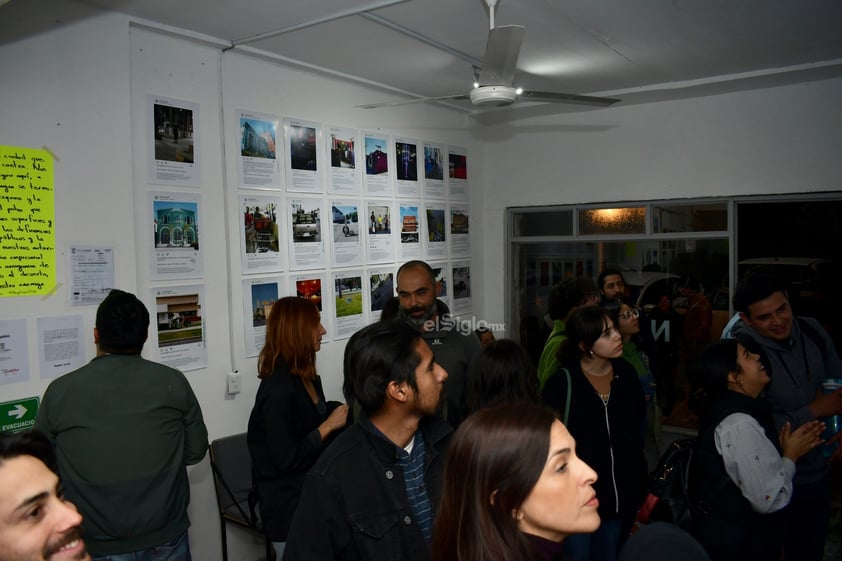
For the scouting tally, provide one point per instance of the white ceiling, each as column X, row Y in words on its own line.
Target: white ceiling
column 637, row 50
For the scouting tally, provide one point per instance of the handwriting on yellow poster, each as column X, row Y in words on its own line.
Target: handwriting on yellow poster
column 27, row 222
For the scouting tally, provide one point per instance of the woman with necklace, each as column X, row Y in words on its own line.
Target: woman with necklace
column 604, row 414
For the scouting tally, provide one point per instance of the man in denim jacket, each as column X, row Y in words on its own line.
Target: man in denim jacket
column 373, row 493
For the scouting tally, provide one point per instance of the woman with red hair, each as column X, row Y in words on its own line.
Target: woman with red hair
column 291, row 422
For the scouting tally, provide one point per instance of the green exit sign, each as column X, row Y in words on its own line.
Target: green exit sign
column 18, row 415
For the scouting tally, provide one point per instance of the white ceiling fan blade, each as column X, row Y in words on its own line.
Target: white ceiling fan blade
column 455, row 97
column 557, row 97
column 501, row 53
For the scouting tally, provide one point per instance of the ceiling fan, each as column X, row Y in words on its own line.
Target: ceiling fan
column 494, row 82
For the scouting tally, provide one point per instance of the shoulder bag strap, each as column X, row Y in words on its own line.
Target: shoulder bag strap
column 567, row 401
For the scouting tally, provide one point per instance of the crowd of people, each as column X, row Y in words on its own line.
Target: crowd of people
column 449, row 445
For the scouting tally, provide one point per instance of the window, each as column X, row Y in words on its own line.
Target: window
column 671, row 252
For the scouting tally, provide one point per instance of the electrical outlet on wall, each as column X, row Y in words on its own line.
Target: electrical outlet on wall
column 234, row 382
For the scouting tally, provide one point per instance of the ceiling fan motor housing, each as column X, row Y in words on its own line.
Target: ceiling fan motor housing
column 495, row 96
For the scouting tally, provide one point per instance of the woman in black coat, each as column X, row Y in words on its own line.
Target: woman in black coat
column 291, row 422
column 605, row 411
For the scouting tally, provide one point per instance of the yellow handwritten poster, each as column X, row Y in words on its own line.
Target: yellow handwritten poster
column 27, row 222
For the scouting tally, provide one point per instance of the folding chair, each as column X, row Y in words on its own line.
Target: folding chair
column 231, row 465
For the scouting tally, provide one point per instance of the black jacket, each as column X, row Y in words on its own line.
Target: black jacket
column 284, row 443
column 354, row 505
column 608, row 437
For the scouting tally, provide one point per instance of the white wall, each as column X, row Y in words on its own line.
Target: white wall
column 779, row 140
column 80, row 90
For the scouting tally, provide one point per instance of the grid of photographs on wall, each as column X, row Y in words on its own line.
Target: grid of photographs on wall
column 352, row 207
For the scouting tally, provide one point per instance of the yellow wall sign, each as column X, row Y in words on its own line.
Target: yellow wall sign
column 27, row 222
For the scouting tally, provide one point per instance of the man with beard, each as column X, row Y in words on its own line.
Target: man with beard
column 372, row 495
column 36, row 522
column 454, row 350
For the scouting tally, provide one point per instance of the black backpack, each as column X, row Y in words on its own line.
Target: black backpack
column 668, row 499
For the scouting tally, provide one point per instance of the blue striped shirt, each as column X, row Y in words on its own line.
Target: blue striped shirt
column 416, row 491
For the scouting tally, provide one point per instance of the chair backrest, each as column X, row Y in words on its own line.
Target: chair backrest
column 231, row 466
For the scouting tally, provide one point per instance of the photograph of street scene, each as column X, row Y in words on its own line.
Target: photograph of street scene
column 262, row 297
column 461, row 282
column 441, row 282
column 349, row 296
column 179, row 320
column 346, row 222
column 173, row 134
column 409, row 224
column 261, row 228
column 407, row 161
column 458, row 222
column 306, row 225
column 378, row 220
column 382, row 290
column 258, row 138
column 376, row 159
column 341, row 152
column 302, row 147
column 433, row 163
column 174, row 224
column 435, row 225
column 310, row 289
column 458, row 166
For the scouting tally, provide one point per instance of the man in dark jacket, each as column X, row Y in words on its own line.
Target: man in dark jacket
column 125, row 429
column 372, row 495
column 455, row 348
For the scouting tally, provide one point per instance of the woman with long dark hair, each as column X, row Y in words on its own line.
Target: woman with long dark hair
column 501, row 373
column 291, row 422
column 605, row 412
column 514, row 488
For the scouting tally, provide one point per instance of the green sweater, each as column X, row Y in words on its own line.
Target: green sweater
column 125, row 429
column 548, row 363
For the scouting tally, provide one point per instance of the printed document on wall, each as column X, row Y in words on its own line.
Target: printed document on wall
column 349, row 313
column 173, row 141
column 91, row 274
column 260, row 233
column 346, row 230
column 14, row 351
column 258, row 163
column 306, row 234
column 176, row 222
column 344, row 177
column 259, row 294
column 61, row 344
column 304, row 164
column 378, row 179
column 433, row 171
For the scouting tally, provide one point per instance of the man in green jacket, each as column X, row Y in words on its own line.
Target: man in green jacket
column 125, row 429
column 565, row 297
